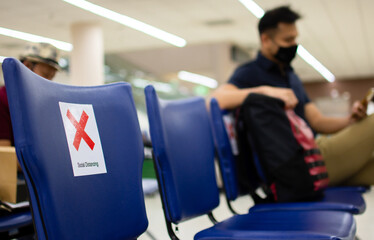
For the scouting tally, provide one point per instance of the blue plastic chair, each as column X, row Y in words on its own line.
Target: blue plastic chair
column 184, row 161
column 11, row 225
column 347, row 199
column 81, row 151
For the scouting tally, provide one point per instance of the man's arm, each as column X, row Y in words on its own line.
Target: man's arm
column 327, row 125
column 229, row 96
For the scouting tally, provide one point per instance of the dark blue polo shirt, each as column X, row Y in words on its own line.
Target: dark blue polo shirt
column 262, row 71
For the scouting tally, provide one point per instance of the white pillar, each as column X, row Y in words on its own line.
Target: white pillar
column 87, row 57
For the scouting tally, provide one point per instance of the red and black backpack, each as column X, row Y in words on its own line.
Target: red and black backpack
column 283, row 150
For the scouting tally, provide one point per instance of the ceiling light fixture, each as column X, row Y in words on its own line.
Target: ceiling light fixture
column 129, row 22
column 159, row 86
column 35, row 38
column 197, row 78
column 256, row 10
column 312, row 61
column 253, row 8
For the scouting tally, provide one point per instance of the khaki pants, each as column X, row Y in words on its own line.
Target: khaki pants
column 349, row 154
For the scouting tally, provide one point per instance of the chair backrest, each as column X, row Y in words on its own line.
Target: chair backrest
column 226, row 157
column 239, row 173
column 81, row 151
column 184, row 155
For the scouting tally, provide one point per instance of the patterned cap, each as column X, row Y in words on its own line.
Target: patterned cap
column 42, row 52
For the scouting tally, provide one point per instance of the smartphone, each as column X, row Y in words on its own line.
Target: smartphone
column 369, row 97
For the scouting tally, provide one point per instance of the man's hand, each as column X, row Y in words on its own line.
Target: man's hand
column 358, row 112
column 284, row 94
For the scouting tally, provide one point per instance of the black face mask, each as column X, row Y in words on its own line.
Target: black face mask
column 286, row 54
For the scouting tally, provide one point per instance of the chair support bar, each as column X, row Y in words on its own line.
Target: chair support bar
column 169, row 226
column 212, row 218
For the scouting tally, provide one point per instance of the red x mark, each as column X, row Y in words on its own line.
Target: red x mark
column 80, row 130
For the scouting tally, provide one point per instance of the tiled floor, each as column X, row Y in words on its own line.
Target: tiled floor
column 157, row 229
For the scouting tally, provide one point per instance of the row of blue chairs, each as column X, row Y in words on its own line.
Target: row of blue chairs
column 75, row 194
column 183, row 146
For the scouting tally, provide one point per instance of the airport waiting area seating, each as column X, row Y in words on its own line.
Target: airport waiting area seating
column 81, row 151
column 348, row 199
column 184, row 160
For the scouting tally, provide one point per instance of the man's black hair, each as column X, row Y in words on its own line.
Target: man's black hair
column 277, row 15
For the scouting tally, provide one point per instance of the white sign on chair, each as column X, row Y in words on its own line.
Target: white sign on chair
column 83, row 139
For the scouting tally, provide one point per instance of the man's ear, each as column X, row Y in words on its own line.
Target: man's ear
column 265, row 38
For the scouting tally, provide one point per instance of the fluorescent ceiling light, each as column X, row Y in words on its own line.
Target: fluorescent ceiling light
column 199, row 79
column 253, row 8
column 35, row 38
column 256, row 10
column 161, row 87
column 2, row 59
column 129, row 22
column 312, row 61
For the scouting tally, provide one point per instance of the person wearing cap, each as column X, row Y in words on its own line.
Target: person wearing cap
column 42, row 59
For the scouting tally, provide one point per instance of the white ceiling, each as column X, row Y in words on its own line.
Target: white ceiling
column 339, row 33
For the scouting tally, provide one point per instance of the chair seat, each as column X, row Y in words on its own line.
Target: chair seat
column 360, row 189
column 15, row 220
column 283, row 225
column 335, row 200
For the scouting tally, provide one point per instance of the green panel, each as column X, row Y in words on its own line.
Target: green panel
column 148, row 170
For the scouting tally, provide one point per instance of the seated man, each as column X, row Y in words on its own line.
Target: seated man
column 348, row 151
column 41, row 58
